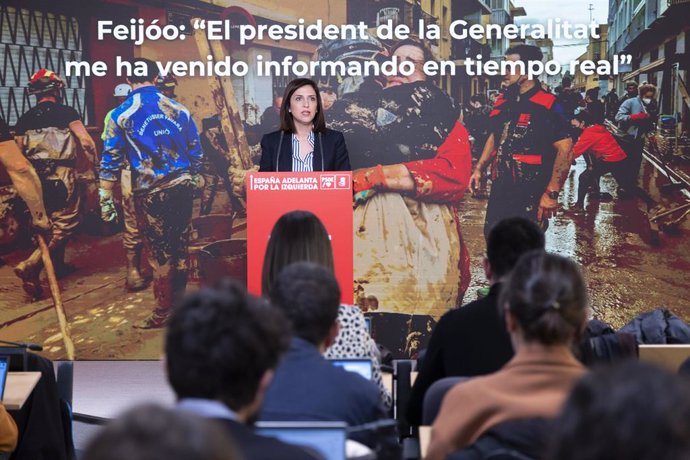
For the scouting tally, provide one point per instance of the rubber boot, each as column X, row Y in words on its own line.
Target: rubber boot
column 179, row 285
column 134, row 281
column 144, row 266
column 162, row 291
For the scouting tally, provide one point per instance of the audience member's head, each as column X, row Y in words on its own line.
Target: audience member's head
column 309, row 295
column 507, row 241
column 545, row 299
column 298, row 236
column 153, row 433
column 222, row 344
column 633, row 410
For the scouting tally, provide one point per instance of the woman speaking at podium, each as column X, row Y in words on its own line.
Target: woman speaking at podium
column 303, row 143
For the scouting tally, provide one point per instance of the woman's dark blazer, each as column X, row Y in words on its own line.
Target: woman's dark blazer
column 335, row 156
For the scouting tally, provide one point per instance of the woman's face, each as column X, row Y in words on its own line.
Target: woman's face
column 412, row 54
column 328, row 98
column 575, row 123
column 648, row 96
column 303, row 105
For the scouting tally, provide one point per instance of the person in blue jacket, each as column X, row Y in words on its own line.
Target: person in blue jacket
column 159, row 139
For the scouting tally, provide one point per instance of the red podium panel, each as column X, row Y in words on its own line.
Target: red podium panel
column 326, row 194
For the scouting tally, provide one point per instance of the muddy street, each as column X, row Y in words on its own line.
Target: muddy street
column 627, row 272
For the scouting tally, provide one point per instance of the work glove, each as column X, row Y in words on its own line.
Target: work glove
column 108, row 211
column 238, row 177
column 198, row 181
column 639, row 116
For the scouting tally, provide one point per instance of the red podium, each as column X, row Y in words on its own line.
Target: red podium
column 326, row 194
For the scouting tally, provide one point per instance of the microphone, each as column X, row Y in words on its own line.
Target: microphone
column 280, row 145
column 28, row 346
column 321, row 147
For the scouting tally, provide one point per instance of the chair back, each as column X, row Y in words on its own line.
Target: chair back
column 434, row 397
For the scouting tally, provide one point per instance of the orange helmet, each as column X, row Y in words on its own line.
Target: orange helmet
column 45, row 81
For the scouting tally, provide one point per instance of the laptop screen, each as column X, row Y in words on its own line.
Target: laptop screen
column 363, row 367
column 327, row 438
column 4, row 367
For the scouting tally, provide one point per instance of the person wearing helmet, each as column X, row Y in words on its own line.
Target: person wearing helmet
column 46, row 135
column 411, row 168
column 120, row 94
column 364, row 48
column 158, row 138
column 132, row 240
column 167, row 85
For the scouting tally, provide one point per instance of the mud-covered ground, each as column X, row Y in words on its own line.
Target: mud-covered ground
column 611, row 240
column 626, row 271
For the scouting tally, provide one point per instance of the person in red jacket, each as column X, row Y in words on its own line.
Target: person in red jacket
column 602, row 151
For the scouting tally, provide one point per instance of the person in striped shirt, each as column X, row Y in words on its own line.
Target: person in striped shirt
column 303, row 143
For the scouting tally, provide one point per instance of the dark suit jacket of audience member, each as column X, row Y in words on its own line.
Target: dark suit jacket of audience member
column 41, row 421
column 306, row 387
column 255, row 447
column 335, row 157
column 471, row 340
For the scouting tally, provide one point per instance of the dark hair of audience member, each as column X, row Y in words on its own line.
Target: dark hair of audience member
column 309, row 295
column 628, row 411
column 546, row 295
column 298, row 236
column 151, row 432
column 508, row 240
column 221, row 341
column 148, row 76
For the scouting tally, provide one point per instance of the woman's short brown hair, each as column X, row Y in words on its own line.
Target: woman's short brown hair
column 646, row 88
column 286, row 121
column 298, row 236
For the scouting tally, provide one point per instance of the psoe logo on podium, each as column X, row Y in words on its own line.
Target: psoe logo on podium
column 342, row 181
column 328, row 182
